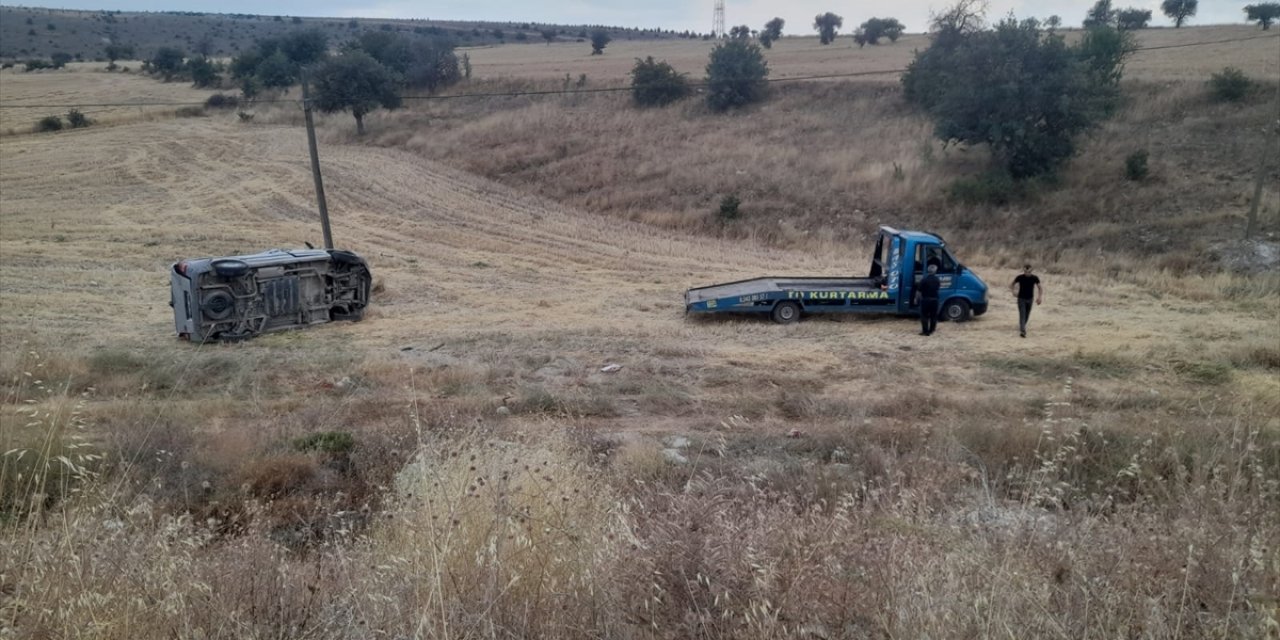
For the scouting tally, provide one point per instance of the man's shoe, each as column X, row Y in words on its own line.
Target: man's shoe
column 1022, row 333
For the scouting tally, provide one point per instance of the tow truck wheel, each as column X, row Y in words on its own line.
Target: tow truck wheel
column 956, row 310
column 786, row 312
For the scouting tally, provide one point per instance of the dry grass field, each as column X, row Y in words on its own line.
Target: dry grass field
column 1115, row 474
column 805, row 56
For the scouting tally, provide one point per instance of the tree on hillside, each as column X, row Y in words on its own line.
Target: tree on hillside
column 736, row 75
column 1053, row 22
column 275, row 71
column 656, row 84
column 1179, row 10
column 549, row 35
column 1100, row 15
column 116, row 51
column 203, row 73
column 354, row 82
column 167, row 61
column 305, row 47
column 1263, row 13
column 827, row 24
column 772, row 31
column 1024, row 93
column 599, row 39
column 59, row 59
column 432, row 64
column 1131, row 19
column 872, row 30
column 740, row 31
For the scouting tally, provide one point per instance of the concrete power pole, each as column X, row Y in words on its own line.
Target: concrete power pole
column 717, row 21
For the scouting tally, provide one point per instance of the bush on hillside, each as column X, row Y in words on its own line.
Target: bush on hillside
column 49, row 123
column 222, row 101
column 60, row 59
column 729, row 208
column 656, row 84
column 736, row 75
column 1135, row 166
column 1230, row 85
column 77, row 120
column 1022, row 91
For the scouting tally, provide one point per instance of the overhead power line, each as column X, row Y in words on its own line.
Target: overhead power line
column 553, row 92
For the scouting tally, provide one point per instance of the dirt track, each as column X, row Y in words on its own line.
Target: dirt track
column 92, row 219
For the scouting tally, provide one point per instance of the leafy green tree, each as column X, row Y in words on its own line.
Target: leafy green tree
column 305, row 47
column 549, row 35
column 1100, row 15
column 871, row 31
column 656, row 84
column 1024, row 93
column 387, row 47
column 599, row 39
column 354, row 82
column 827, row 24
column 736, row 75
column 275, row 71
column 432, row 64
column 771, row 32
column 1179, row 10
column 167, row 61
column 1053, row 22
column 60, row 59
column 1263, row 13
column 741, row 31
column 203, row 72
column 1131, row 19
column 116, row 51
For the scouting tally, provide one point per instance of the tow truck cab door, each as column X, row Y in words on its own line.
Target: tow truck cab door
column 949, row 269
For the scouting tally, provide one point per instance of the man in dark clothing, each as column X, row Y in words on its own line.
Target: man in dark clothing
column 1027, row 287
column 927, row 297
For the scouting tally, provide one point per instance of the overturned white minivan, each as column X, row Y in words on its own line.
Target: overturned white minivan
column 239, row 297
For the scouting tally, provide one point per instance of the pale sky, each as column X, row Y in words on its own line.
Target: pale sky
column 667, row 14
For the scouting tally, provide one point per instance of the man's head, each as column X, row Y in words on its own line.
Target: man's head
column 1026, row 268
column 933, row 268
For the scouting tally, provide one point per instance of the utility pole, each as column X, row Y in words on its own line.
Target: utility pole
column 717, row 20
column 315, row 165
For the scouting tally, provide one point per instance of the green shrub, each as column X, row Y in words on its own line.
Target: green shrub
column 655, row 84
column 736, row 75
column 35, row 65
column 1231, row 85
column 331, row 442
column 60, row 59
column 50, row 123
column 222, row 101
column 77, row 120
column 729, row 207
column 1135, row 166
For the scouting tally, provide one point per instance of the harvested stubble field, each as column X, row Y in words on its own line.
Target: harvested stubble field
column 1116, row 474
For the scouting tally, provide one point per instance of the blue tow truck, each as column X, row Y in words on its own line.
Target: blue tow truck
column 897, row 265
